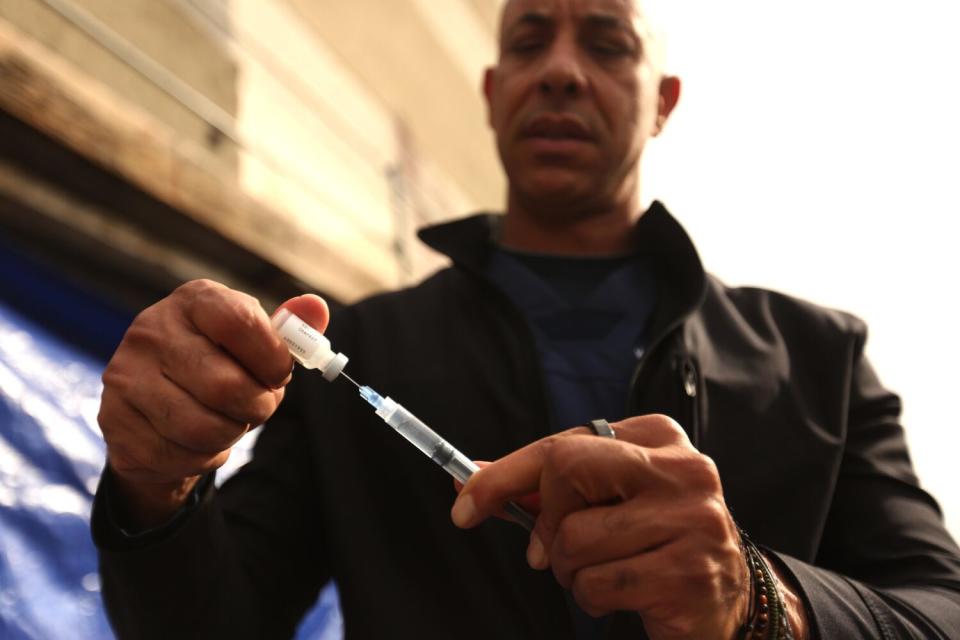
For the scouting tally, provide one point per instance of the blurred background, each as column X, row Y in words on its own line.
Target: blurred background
column 282, row 146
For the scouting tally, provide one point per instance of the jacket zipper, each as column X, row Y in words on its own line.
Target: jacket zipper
column 688, row 381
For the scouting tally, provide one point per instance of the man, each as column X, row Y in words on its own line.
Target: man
column 730, row 407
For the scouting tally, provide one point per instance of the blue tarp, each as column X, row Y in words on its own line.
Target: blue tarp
column 51, row 455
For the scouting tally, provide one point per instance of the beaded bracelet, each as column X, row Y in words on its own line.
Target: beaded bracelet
column 767, row 614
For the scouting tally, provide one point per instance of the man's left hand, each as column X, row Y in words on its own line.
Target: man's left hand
column 633, row 523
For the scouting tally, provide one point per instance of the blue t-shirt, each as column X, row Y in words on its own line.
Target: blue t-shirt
column 589, row 318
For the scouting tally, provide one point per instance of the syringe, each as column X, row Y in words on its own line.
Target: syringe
column 312, row 350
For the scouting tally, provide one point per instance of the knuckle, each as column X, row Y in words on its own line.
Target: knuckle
column 569, row 538
column 227, row 392
column 111, row 417
column 236, row 310
column 705, row 472
column 655, row 429
column 189, row 359
column 696, row 471
column 224, row 308
column 621, row 520
column 596, row 588
column 219, row 393
column 585, row 587
column 105, row 417
column 252, row 405
column 714, row 518
column 113, row 379
column 149, row 339
column 261, row 408
column 700, row 571
column 562, row 455
column 193, row 288
column 219, row 323
column 704, row 578
column 278, row 371
column 624, row 579
column 641, row 457
column 668, row 425
column 596, row 582
column 215, row 462
column 246, row 312
column 143, row 331
column 195, row 292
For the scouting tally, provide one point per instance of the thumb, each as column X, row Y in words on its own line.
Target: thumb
column 310, row 308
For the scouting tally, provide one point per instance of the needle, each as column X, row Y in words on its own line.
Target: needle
column 344, row 374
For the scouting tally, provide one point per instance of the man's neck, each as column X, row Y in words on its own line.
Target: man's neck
column 602, row 233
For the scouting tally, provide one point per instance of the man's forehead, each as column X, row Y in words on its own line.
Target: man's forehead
column 629, row 12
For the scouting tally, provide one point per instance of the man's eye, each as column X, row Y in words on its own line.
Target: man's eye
column 609, row 49
column 526, row 46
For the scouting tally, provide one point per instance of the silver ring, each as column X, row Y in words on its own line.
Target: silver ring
column 602, row 428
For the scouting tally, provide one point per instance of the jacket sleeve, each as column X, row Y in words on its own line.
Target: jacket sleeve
column 886, row 566
column 244, row 562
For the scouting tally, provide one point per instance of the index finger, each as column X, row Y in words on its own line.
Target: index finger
column 238, row 324
column 510, row 478
column 519, row 473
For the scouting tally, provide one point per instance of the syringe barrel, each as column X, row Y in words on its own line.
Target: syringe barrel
column 440, row 451
column 455, row 463
column 423, row 437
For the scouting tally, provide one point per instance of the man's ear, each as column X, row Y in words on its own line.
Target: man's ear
column 488, row 92
column 669, row 96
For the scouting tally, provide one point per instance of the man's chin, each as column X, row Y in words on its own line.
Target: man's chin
column 556, row 189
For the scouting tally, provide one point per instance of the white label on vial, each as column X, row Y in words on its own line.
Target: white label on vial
column 301, row 338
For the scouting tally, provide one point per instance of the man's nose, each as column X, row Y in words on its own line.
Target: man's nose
column 562, row 74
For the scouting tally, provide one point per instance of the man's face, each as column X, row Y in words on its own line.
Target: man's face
column 573, row 99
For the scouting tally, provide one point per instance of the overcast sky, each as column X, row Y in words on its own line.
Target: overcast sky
column 816, row 150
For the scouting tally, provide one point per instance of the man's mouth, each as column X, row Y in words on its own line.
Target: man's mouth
column 556, row 127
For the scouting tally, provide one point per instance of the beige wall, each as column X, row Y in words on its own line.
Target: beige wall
column 356, row 121
column 161, row 32
column 388, row 116
column 424, row 60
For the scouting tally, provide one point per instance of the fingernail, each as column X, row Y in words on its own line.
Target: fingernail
column 464, row 511
column 536, row 556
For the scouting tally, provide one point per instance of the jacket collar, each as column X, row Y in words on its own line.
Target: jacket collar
column 681, row 281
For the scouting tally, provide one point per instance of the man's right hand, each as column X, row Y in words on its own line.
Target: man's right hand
column 193, row 374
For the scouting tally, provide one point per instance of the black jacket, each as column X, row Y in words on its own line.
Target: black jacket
column 777, row 391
